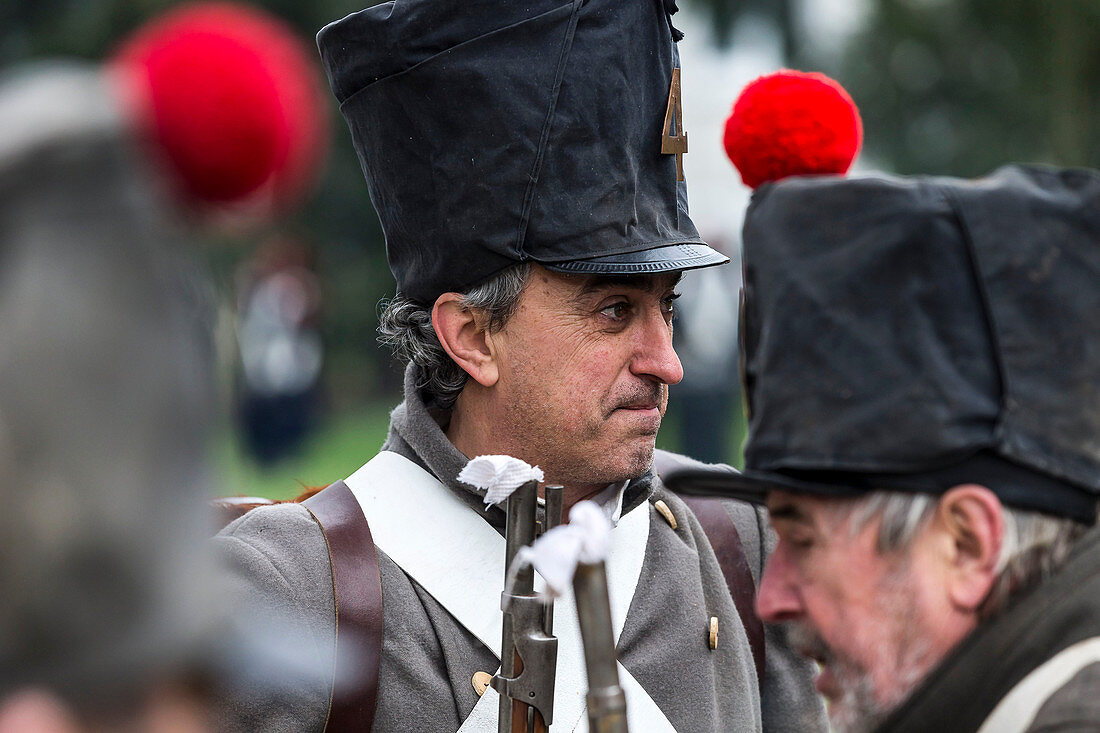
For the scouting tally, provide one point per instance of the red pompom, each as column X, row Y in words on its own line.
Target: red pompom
column 233, row 99
column 792, row 123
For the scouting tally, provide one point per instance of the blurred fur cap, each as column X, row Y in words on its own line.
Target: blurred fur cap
column 105, row 394
column 106, row 400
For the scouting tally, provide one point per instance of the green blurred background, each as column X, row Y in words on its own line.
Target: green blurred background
column 945, row 87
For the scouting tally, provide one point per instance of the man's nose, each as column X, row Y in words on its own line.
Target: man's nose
column 654, row 355
column 777, row 599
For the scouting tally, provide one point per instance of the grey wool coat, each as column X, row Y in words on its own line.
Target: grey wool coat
column 276, row 561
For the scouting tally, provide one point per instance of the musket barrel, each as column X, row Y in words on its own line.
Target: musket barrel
column 519, row 531
column 552, row 516
column 606, row 701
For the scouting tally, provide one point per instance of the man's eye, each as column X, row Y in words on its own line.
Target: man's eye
column 796, row 539
column 616, row 310
column 800, row 540
column 669, row 303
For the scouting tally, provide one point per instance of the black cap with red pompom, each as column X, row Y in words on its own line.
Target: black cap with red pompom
column 792, row 123
column 895, row 332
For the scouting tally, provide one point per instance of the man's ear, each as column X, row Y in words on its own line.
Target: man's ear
column 971, row 520
column 465, row 337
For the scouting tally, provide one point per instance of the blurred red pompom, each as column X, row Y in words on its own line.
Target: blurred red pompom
column 232, row 97
column 792, row 123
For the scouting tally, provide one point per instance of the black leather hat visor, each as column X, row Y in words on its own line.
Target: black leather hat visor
column 669, row 258
column 1013, row 483
column 751, row 486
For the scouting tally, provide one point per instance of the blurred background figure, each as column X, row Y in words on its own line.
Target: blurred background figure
column 281, row 353
column 108, row 618
column 708, row 398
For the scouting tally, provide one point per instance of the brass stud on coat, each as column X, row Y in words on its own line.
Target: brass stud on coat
column 664, row 511
column 713, row 632
column 481, row 682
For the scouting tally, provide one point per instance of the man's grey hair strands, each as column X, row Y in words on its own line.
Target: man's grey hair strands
column 406, row 327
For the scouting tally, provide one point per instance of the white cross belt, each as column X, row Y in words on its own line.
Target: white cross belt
column 459, row 561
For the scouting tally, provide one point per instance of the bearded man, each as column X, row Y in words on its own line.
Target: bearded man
column 536, row 231
column 921, row 361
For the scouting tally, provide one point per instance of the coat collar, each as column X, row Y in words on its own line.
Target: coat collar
column 962, row 691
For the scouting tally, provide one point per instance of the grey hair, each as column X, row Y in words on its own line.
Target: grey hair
column 1034, row 544
column 406, row 327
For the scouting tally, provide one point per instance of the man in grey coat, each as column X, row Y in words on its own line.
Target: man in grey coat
column 922, row 361
column 523, row 159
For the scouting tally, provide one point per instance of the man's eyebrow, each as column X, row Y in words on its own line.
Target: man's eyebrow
column 657, row 283
column 788, row 512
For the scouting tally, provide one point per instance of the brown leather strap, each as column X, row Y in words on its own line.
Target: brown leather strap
column 357, row 588
column 726, row 541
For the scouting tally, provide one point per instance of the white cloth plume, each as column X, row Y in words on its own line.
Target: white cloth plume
column 498, row 475
column 555, row 555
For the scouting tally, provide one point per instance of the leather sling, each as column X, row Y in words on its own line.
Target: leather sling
column 726, row 542
column 357, row 589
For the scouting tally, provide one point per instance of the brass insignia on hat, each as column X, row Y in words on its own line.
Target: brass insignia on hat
column 674, row 141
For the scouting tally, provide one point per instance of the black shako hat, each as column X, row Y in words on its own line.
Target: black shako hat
column 917, row 333
column 493, row 132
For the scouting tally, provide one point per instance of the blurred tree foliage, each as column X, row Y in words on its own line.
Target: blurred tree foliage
column 954, row 86
column 963, row 86
column 725, row 14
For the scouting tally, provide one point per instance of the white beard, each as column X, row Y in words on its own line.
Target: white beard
column 858, row 709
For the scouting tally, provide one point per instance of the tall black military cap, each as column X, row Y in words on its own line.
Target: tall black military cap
column 493, row 132
column 918, row 333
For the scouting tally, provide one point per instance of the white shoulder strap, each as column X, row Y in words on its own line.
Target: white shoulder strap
column 435, row 538
column 458, row 558
column 1019, row 707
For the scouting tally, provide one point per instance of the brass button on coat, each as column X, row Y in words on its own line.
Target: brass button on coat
column 664, row 511
column 481, row 682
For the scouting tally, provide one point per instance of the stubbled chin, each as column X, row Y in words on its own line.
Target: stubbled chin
column 639, row 459
column 851, row 702
column 611, row 462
